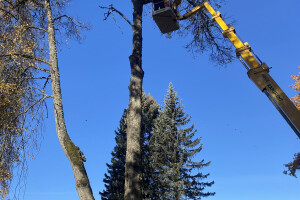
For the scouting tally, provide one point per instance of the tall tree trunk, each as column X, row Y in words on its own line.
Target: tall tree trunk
column 133, row 172
column 72, row 152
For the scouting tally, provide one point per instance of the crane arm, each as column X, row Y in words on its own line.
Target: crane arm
column 258, row 71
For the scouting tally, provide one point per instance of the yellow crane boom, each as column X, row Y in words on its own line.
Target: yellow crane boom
column 258, row 71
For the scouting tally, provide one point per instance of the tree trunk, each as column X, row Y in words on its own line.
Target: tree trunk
column 72, row 152
column 133, row 172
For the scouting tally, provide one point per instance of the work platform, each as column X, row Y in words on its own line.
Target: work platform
column 165, row 19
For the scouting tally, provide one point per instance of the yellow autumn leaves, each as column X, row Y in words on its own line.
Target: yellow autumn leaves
column 6, row 89
column 296, row 86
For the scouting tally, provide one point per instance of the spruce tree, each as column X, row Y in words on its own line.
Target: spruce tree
column 175, row 175
column 115, row 177
column 149, row 114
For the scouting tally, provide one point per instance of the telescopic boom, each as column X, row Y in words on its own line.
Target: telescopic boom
column 257, row 71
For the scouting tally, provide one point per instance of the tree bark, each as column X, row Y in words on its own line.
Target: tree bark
column 72, row 152
column 133, row 172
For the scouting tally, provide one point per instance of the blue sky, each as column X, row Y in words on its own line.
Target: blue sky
column 243, row 134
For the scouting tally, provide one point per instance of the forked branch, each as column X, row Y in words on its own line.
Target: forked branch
column 38, row 101
column 111, row 9
column 71, row 20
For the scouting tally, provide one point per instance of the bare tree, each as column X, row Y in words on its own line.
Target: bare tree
column 205, row 34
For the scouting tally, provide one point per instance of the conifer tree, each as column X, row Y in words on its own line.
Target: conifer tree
column 115, row 177
column 149, row 114
column 172, row 147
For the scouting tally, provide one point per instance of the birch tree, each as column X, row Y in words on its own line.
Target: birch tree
column 46, row 19
column 72, row 152
column 22, row 101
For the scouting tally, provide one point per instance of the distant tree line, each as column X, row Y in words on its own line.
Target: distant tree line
column 168, row 149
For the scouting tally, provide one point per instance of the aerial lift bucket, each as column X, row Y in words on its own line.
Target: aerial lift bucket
column 165, row 19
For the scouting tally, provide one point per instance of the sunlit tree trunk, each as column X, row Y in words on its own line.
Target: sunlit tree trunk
column 73, row 153
column 133, row 173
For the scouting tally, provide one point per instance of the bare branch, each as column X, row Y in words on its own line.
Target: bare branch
column 112, row 9
column 62, row 16
column 42, row 91
column 71, row 27
column 32, row 58
column 72, row 20
column 48, row 77
column 34, row 27
column 58, row 18
column 39, row 101
column 45, row 84
column 41, row 69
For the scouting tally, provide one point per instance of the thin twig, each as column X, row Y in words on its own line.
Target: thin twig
column 42, row 91
column 41, row 69
column 58, row 18
column 32, row 105
column 74, row 21
column 112, row 9
column 46, row 82
column 42, row 77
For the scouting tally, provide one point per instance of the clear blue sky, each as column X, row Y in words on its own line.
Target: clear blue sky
column 243, row 134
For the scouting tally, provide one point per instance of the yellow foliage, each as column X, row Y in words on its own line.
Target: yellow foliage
column 17, row 93
column 6, row 89
column 296, row 86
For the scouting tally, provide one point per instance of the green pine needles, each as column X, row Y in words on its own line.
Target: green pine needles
column 114, row 178
column 168, row 149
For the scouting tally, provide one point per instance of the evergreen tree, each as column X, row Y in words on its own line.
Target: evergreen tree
column 115, row 177
column 150, row 112
column 175, row 175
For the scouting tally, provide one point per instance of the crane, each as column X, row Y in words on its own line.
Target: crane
column 167, row 20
